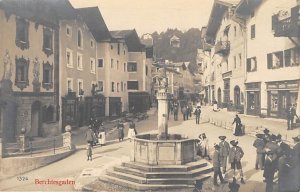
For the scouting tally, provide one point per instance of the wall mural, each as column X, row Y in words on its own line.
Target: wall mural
column 36, row 75
column 7, row 66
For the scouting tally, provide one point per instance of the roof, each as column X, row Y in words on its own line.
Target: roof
column 40, row 11
column 95, row 22
column 245, row 7
column 131, row 38
column 216, row 15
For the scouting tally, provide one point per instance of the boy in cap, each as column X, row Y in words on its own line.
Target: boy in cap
column 235, row 155
column 216, row 165
column 224, row 151
column 259, row 144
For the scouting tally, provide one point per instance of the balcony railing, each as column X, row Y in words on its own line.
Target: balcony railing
column 222, row 47
column 288, row 27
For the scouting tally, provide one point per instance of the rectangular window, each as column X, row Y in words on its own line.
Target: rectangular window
column 47, row 43
column 100, row 63
column 92, row 65
column 112, row 86
column 112, row 63
column 100, row 86
column 46, row 76
column 146, row 70
column 69, row 31
column 132, row 85
column 131, row 66
column 277, row 60
column 22, row 30
column 234, row 31
column 21, row 74
column 252, row 31
column 92, row 43
column 79, row 61
column 122, row 86
column 287, row 57
column 69, row 58
column 69, row 84
column 119, row 49
column 117, row 64
column 240, row 59
column 270, row 60
column 124, row 67
column 80, row 87
column 118, row 84
column 251, row 64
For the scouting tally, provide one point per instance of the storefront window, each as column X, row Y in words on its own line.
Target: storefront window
column 274, row 102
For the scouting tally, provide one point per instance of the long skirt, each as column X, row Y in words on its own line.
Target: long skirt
column 101, row 138
column 131, row 133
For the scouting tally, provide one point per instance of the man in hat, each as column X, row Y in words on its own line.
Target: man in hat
column 197, row 113
column 295, row 173
column 284, row 149
column 175, row 109
column 271, row 160
column 224, row 151
column 259, row 144
column 216, row 160
column 236, row 153
column 266, row 135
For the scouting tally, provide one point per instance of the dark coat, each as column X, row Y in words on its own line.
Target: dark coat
column 284, row 149
column 224, row 148
column 284, row 173
column 295, row 184
column 216, row 159
column 259, row 144
column 235, row 153
column 197, row 112
column 89, row 135
column 120, row 128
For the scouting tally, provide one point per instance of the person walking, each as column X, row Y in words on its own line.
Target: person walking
column 131, row 131
column 236, row 154
column 238, row 126
column 204, row 146
column 290, row 117
column 259, row 144
column 175, row 111
column 89, row 152
column 224, row 152
column 190, row 110
column 101, row 136
column 90, row 136
column 184, row 112
column 216, row 161
column 120, row 128
column 197, row 113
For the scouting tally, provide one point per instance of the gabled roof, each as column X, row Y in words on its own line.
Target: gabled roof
column 131, row 38
column 95, row 22
column 218, row 10
column 40, row 11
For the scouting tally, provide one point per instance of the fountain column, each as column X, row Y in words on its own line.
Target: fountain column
column 162, row 99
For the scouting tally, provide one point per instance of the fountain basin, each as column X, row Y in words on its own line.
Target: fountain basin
column 176, row 150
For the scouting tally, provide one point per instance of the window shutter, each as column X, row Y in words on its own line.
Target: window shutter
column 249, row 65
column 274, row 21
column 269, row 60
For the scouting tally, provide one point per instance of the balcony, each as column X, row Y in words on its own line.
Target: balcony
column 287, row 27
column 222, row 47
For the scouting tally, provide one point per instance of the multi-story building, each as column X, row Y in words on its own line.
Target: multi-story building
column 28, row 50
column 139, row 74
column 106, row 101
column 272, row 69
column 77, row 72
column 227, row 35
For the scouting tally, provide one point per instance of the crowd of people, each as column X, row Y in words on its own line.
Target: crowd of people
column 274, row 156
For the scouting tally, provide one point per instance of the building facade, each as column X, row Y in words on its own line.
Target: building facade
column 28, row 56
column 272, row 69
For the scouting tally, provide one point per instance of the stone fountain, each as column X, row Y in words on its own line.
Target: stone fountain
column 162, row 160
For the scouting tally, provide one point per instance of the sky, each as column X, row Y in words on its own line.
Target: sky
column 147, row 16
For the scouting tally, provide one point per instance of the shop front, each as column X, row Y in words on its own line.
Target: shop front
column 115, row 106
column 253, row 103
column 139, row 102
column 280, row 95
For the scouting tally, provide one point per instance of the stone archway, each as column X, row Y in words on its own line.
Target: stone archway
column 36, row 128
column 237, row 96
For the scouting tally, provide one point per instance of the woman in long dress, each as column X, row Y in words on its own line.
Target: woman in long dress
column 101, row 135
column 131, row 130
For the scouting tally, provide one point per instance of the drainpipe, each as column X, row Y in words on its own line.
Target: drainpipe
column 245, row 68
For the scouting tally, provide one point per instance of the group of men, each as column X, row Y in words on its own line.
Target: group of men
column 223, row 153
column 273, row 155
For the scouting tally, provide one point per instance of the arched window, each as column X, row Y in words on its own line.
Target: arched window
column 79, row 38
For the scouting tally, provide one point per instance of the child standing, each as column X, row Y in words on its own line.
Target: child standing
column 89, row 152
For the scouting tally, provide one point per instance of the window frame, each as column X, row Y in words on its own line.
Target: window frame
column 129, row 86
column 80, row 91
column 93, row 68
column 101, row 63
column 80, row 66
column 98, row 89
column 24, row 64
column 70, row 64
column 79, row 43
column 49, row 83
column 72, row 84
column 134, row 70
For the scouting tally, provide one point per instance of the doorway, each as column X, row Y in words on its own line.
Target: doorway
column 237, row 96
column 36, row 119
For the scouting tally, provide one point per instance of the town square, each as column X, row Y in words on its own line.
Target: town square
column 150, row 96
